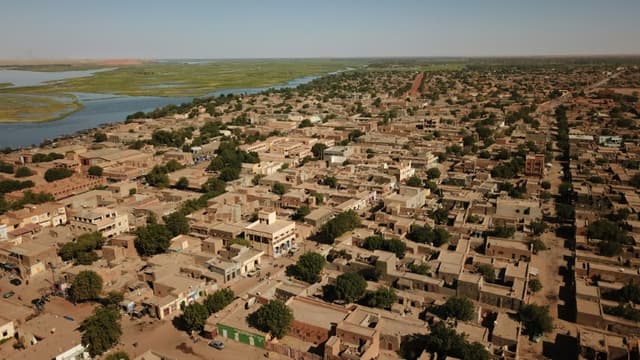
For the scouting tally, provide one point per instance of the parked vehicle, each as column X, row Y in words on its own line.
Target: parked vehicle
column 8, row 294
column 217, row 344
column 16, row 281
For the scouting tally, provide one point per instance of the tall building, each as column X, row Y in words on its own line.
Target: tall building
column 534, row 165
column 271, row 235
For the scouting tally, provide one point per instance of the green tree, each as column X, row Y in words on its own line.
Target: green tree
column 308, row 267
column 54, row 174
column 538, row 226
column 343, row 222
column 422, row 269
column 158, row 177
column 6, row 168
column 425, row 234
column 330, row 181
column 219, row 300
column 545, row 185
column 350, row 287
column 182, row 183
column 152, row 239
column 301, row 212
column 502, row 231
column 468, row 140
column 635, row 180
column 537, row 245
column 487, row 271
column 195, row 316
column 377, row 242
column 305, row 124
column 23, row 171
column 177, row 223
column 214, row 186
column 431, row 186
column 565, row 212
column 456, row 307
column 173, row 165
column 629, row 292
column 113, row 298
column 274, row 317
column 433, row 173
column 318, row 150
column 536, row 319
column 278, row 189
column 383, row 298
column 414, row 181
column 102, row 330
column 86, row 286
column 534, row 285
column 95, row 171
column 440, row 216
column 444, row 342
column 120, row 355
column 99, row 137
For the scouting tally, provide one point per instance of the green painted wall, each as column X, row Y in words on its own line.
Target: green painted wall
column 241, row 336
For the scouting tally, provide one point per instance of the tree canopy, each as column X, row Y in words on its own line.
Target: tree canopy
column 425, row 234
column 219, row 300
column 487, row 271
column 86, row 286
column 102, row 330
column 177, row 223
column 443, row 341
column 377, row 242
column 433, row 173
column 120, row 355
column 54, row 174
column 95, row 171
column 82, row 250
column 536, row 319
column 383, row 298
column 318, row 149
column 274, row 317
column 350, row 287
column 343, row 222
column 23, row 171
column 152, row 239
column 414, row 181
column 194, row 317
column 456, row 307
column 308, row 267
column 612, row 236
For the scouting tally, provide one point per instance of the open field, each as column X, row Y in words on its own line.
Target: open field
column 36, row 108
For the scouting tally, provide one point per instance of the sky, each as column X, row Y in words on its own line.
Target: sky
column 170, row 29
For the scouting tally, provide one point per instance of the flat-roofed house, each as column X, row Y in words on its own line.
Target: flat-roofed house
column 273, row 236
column 106, row 221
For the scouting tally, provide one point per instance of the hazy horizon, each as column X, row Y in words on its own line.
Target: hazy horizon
column 39, row 30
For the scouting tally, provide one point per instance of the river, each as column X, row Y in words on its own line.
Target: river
column 98, row 109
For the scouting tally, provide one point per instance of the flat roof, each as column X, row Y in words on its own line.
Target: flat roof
column 588, row 307
column 270, row 228
column 505, row 327
column 316, row 313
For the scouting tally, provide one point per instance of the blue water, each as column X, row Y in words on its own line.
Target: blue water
column 102, row 109
column 33, row 78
